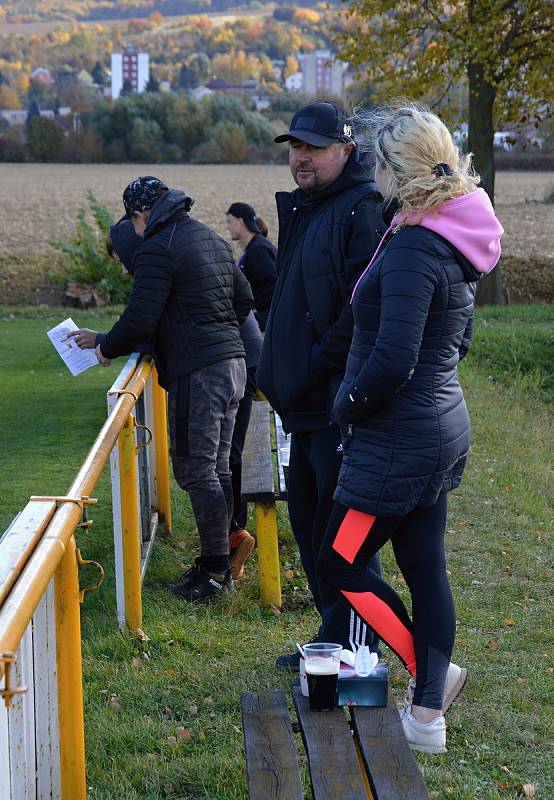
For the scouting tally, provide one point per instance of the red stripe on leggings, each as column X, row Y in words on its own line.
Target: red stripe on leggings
column 352, row 533
column 386, row 624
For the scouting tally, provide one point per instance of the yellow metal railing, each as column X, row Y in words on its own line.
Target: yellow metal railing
column 49, row 551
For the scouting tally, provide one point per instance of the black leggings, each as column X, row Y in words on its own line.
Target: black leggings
column 424, row 644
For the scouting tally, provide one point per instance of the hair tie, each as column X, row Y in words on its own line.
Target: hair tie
column 441, row 169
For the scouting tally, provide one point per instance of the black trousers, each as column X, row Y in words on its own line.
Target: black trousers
column 423, row 641
column 315, row 461
column 240, row 508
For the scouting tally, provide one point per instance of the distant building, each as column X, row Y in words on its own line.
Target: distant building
column 132, row 67
column 19, row 117
column 294, row 82
column 322, row 72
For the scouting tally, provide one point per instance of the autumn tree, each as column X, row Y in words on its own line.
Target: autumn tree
column 426, row 48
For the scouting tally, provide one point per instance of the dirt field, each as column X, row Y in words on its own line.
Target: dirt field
column 39, row 201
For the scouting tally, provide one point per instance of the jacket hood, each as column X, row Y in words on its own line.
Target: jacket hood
column 166, row 207
column 358, row 169
column 469, row 224
column 125, row 242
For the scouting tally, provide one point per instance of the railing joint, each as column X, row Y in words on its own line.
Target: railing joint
column 8, row 692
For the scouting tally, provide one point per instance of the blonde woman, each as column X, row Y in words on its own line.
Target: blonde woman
column 401, row 408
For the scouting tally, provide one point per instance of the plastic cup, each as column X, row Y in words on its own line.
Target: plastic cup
column 322, row 663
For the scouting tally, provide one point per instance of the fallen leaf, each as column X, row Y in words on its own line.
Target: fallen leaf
column 209, row 700
column 504, row 769
column 504, row 785
column 237, row 729
column 493, row 644
column 183, row 734
column 172, row 740
column 137, row 662
column 289, row 574
column 276, row 611
column 528, row 789
column 509, row 622
column 193, row 710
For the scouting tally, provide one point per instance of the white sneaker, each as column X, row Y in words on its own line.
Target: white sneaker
column 425, row 737
column 456, row 678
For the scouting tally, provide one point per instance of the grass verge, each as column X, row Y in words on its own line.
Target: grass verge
column 163, row 718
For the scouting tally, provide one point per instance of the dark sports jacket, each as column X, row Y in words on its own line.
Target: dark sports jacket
column 187, row 292
column 259, row 268
column 409, row 428
column 325, row 241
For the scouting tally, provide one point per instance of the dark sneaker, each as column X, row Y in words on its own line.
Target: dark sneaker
column 189, row 575
column 291, row 661
column 203, row 587
column 241, row 544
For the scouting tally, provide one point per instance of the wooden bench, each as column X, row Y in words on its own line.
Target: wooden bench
column 352, row 754
column 263, row 484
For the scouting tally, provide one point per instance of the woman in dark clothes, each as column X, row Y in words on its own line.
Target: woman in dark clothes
column 258, row 257
column 402, row 410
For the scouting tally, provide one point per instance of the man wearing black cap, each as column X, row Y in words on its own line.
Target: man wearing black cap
column 189, row 295
column 328, row 231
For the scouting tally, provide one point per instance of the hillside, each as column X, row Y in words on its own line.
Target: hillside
column 43, row 11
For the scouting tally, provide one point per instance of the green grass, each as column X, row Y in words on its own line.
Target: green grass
column 190, row 673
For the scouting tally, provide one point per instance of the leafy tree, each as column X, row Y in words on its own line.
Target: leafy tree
column 85, row 259
column 98, row 73
column 44, row 138
column 502, row 48
column 9, row 98
column 153, row 85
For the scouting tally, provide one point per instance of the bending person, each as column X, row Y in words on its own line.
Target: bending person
column 401, row 408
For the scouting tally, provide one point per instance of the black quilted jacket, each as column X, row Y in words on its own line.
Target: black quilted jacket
column 187, row 292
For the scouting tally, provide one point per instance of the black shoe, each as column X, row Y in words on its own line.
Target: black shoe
column 291, row 661
column 189, row 575
column 203, row 587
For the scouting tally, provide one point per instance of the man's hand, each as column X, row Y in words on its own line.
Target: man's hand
column 105, row 362
column 84, row 338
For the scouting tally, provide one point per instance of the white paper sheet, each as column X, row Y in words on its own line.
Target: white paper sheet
column 75, row 359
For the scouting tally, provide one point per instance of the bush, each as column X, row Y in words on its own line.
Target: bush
column 84, row 256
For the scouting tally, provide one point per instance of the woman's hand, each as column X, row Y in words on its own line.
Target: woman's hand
column 349, row 406
column 84, row 338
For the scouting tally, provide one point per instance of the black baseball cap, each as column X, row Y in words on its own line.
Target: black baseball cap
column 319, row 124
column 246, row 213
column 141, row 194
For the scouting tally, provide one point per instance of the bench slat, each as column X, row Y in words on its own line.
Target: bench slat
column 271, row 760
column 334, row 766
column 387, row 755
column 257, row 463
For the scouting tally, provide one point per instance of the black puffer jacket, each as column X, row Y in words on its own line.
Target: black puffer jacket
column 258, row 264
column 407, row 431
column 187, row 292
column 325, row 241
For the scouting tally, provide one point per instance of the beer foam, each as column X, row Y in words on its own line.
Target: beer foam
column 322, row 666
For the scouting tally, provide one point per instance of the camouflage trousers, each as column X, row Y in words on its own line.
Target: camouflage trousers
column 202, row 410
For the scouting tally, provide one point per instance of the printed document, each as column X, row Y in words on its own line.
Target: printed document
column 75, row 359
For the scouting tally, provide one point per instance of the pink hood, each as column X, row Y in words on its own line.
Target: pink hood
column 469, row 223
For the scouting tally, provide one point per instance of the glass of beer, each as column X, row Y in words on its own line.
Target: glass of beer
column 322, row 662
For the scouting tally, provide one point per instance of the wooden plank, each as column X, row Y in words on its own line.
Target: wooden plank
column 283, row 455
column 389, row 761
column 257, row 462
column 271, row 760
column 334, row 766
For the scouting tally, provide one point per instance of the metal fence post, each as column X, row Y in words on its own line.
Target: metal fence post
column 69, row 672
column 268, row 554
column 162, row 451
column 130, row 523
